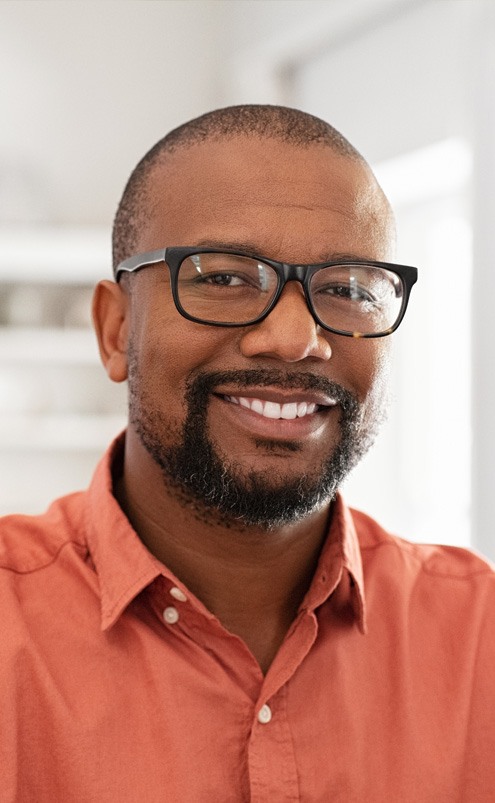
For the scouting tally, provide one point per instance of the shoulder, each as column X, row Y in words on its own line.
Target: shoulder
column 29, row 543
column 48, row 591
column 377, row 545
column 442, row 598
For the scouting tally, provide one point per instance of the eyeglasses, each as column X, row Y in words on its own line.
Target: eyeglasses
column 228, row 288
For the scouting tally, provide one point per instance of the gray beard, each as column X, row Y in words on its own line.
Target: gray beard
column 222, row 490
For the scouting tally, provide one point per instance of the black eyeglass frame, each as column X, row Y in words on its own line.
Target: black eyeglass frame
column 286, row 272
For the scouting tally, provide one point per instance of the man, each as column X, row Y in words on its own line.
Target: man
column 209, row 621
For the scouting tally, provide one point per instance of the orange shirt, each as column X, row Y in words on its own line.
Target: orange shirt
column 119, row 685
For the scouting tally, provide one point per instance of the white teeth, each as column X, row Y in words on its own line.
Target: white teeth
column 289, row 411
column 270, row 409
column 257, row 406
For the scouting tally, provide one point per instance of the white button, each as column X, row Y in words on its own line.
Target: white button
column 171, row 615
column 176, row 593
column 264, row 714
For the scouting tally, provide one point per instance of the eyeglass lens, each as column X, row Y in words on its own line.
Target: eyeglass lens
column 226, row 288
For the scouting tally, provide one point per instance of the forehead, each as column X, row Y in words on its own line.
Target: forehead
column 284, row 201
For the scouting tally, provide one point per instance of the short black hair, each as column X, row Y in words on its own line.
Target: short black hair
column 263, row 121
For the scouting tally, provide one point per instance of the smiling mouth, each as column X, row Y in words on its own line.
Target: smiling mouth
column 274, row 410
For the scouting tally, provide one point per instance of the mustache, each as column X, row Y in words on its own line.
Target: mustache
column 200, row 386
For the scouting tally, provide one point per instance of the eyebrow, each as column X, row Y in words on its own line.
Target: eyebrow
column 251, row 248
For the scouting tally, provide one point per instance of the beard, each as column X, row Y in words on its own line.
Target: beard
column 223, row 491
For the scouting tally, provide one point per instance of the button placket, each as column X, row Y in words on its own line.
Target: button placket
column 264, row 714
column 171, row 615
column 178, row 594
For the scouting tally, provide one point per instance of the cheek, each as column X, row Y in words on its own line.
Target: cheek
column 170, row 349
column 378, row 382
column 366, row 365
column 155, row 346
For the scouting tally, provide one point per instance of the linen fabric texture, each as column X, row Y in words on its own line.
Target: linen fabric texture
column 119, row 685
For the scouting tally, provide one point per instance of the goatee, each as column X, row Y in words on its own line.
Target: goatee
column 222, row 489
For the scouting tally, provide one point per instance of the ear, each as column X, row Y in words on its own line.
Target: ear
column 111, row 322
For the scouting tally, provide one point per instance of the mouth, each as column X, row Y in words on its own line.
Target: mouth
column 272, row 416
column 278, row 411
column 269, row 406
column 286, row 410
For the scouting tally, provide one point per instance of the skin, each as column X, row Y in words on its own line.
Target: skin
column 288, row 203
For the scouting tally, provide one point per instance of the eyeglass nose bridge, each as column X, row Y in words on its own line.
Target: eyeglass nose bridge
column 295, row 273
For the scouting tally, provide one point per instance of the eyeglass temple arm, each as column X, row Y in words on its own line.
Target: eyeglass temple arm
column 141, row 261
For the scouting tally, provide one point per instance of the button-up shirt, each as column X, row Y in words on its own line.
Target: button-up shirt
column 119, row 685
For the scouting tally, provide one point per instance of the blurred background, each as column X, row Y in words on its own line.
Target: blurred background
column 87, row 87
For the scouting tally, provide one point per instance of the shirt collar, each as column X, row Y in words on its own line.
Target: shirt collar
column 339, row 573
column 125, row 566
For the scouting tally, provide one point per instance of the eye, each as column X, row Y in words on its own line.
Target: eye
column 215, row 273
column 224, row 279
column 348, row 292
column 362, row 286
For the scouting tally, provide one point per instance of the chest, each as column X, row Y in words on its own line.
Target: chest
column 173, row 714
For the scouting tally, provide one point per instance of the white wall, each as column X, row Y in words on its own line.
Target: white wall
column 398, row 72
column 86, row 88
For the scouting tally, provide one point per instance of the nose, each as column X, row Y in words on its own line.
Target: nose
column 288, row 333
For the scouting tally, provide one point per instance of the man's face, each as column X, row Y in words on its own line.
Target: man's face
column 199, row 394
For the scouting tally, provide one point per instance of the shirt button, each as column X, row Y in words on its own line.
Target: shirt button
column 171, row 615
column 176, row 593
column 264, row 714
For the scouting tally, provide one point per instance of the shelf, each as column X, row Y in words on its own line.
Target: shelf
column 65, row 255
column 66, row 433
column 46, row 345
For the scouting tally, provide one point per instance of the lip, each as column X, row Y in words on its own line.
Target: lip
column 257, row 425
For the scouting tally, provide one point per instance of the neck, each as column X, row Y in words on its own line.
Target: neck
column 253, row 580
